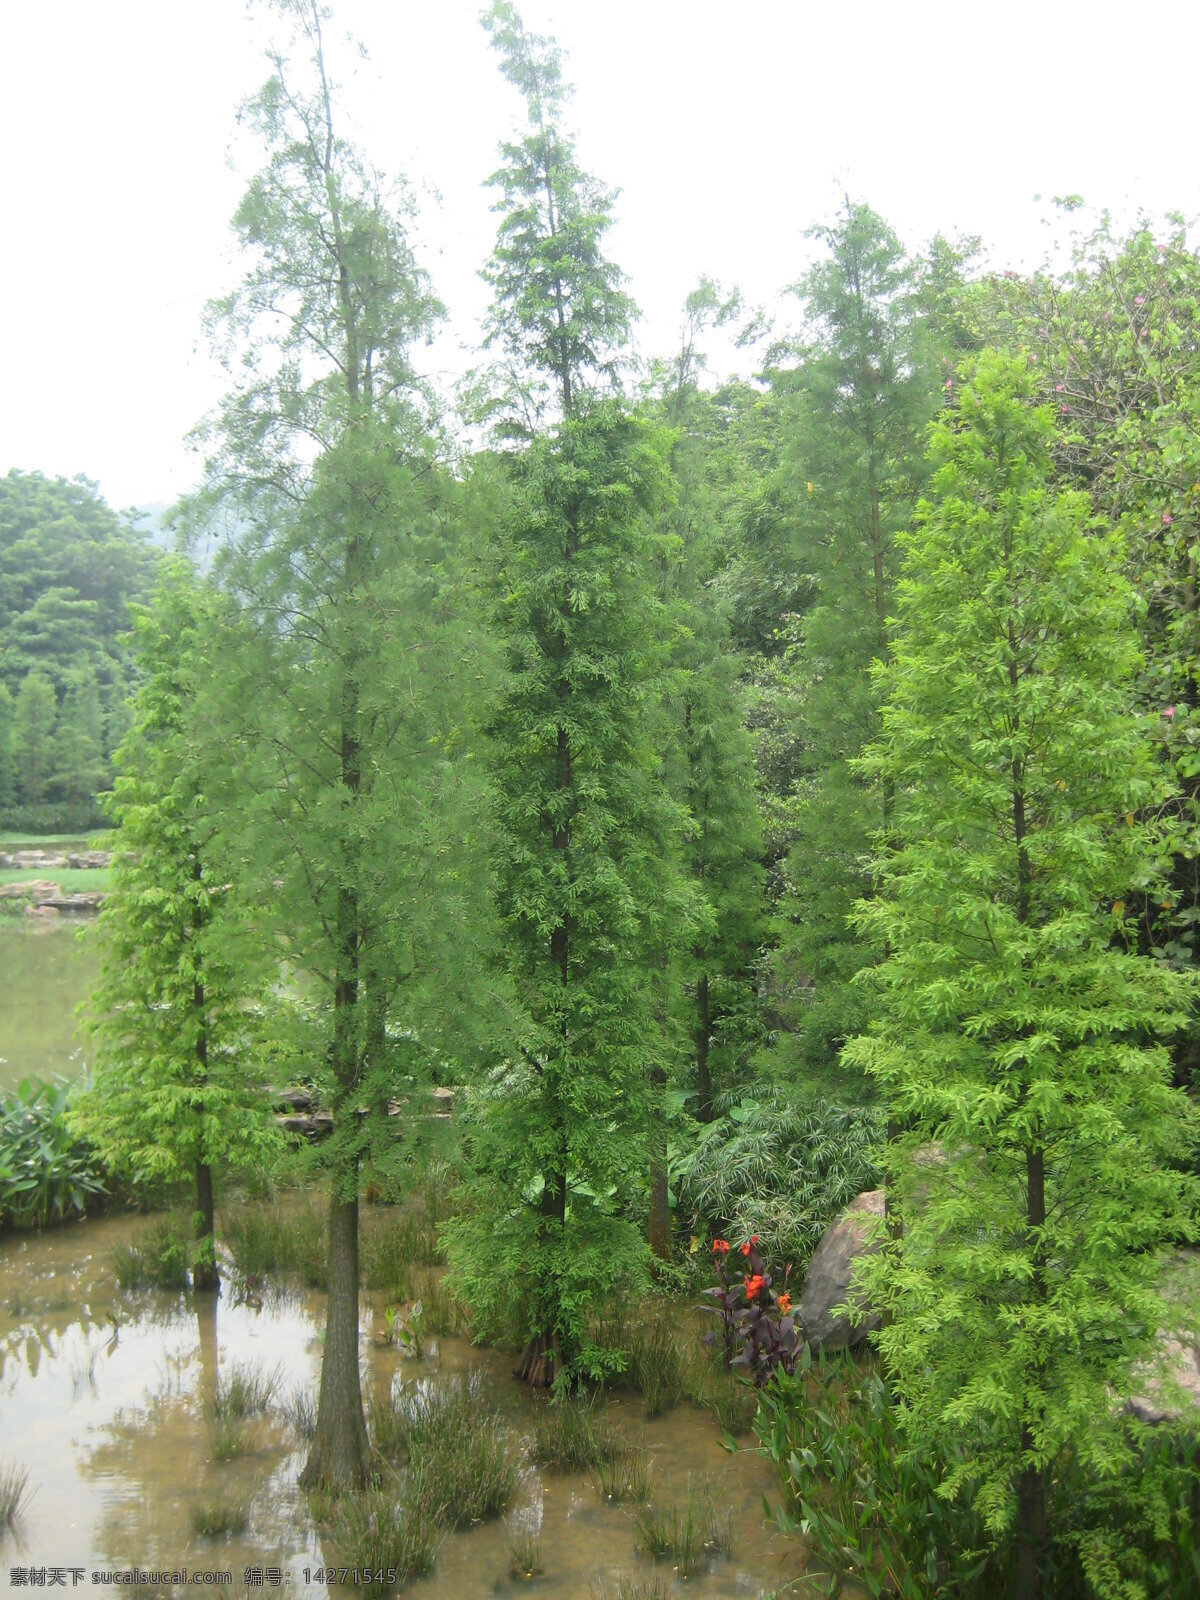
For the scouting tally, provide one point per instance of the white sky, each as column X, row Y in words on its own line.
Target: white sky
column 729, row 130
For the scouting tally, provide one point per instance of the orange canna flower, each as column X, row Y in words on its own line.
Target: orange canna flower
column 720, row 1247
column 784, row 1303
column 753, row 1285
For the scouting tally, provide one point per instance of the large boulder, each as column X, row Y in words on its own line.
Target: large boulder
column 827, row 1283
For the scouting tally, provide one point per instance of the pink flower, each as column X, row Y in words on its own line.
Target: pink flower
column 949, row 383
column 1168, row 519
column 1162, row 249
column 1063, row 410
column 1139, row 299
column 1059, row 387
column 1168, row 712
column 1032, row 357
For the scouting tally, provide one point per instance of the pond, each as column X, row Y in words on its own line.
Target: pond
column 103, row 1398
column 46, row 969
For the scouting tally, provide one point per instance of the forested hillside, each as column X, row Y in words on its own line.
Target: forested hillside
column 68, row 569
column 741, row 794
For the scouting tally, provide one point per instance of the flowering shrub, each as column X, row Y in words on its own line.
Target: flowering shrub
column 758, row 1329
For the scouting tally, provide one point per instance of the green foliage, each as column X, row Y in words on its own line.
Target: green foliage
column 33, row 725
column 47, row 1172
column 524, row 1555
column 1018, row 1025
column 866, row 1510
column 570, row 1435
column 267, row 1240
column 245, row 1391
column 8, row 765
column 622, row 1471
column 781, row 1165
column 559, row 313
column 69, row 567
column 216, row 1519
column 854, row 410
column 586, row 888
column 177, row 1014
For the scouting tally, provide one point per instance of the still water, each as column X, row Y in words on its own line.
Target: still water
column 46, row 969
column 102, row 1398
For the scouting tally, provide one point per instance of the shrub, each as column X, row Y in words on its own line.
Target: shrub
column 46, row 1173
column 781, row 1166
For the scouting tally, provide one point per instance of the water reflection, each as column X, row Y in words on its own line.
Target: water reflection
column 108, row 1400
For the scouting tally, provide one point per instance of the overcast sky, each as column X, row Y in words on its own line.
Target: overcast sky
column 728, row 129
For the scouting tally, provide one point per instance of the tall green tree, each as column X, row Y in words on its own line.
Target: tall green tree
column 585, row 887
column 855, row 409
column 34, row 717
column 79, row 766
column 347, row 690
column 8, row 767
column 178, row 1085
column 1019, row 1032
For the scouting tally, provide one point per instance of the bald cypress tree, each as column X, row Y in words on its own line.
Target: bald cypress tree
column 585, row 883
column 1017, row 1025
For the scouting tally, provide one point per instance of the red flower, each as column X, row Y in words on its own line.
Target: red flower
column 753, row 1285
column 745, row 1249
column 720, row 1247
column 784, row 1303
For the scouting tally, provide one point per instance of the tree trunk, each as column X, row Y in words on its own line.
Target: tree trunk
column 341, row 1453
column 660, row 1203
column 1031, row 1527
column 704, row 1105
column 206, row 1329
column 205, row 1276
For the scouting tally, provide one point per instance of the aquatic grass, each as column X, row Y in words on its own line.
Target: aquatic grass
column 82, row 1367
column 380, row 1532
column 270, row 1239
column 392, row 1241
column 461, row 1454
column 632, row 1589
column 444, row 1312
column 246, row 1391
column 687, row 1533
column 524, row 1555
column 570, row 1436
column 299, row 1411
column 230, row 1438
column 156, row 1259
column 14, row 1486
column 732, row 1399
column 622, row 1472
column 214, row 1519
column 655, row 1366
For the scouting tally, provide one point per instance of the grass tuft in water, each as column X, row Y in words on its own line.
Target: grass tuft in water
column 157, row 1259
column 14, row 1485
column 266, row 1240
column 230, row 1437
column 462, row 1456
column 215, row 1519
column 524, row 1555
column 656, row 1360
column 623, row 1471
column 687, row 1533
column 632, row 1589
column 245, row 1392
column 299, row 1411
column 379, row 1531
column 569, row 1436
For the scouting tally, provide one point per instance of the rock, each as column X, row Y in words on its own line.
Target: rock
column 90, row 860
column 827, row 1280
column 1169, row 1389
column 30, row 889
column 45, row 912
column 85, row 900
column 295, row 1099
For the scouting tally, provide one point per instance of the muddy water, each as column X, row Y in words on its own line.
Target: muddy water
column 45, row 971
column 102, row 1398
